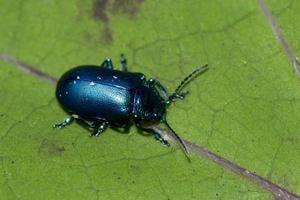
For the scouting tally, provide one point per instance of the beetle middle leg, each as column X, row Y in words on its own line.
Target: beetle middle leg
column 99, row 128
column 96, row 127
column 83, row 123
column 107, row 63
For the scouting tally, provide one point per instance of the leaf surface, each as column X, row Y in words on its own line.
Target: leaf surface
column 245, row 107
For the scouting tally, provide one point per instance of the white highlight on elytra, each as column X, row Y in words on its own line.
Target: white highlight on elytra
column 92, row 83
column 119, row 98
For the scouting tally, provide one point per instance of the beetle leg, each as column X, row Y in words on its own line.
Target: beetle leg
column 84, row 123
column 123, row 61
column 66, row 122
column 100, row 128
column 107, row 63
column 158, row 137
column 176, row 96
column 162, row 90
column 122, row 129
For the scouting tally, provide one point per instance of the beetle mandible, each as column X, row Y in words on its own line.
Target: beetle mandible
column 98, row 97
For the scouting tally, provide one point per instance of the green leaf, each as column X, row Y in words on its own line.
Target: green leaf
column 244, row 108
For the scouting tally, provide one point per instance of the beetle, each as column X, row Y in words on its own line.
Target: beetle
column 98, row 97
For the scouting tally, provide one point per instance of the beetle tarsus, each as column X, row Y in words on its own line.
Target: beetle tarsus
column 66, row 122
column 176, row 96
column 99, row 129
column 158, row 137
column 107, row 63
column 123, row 62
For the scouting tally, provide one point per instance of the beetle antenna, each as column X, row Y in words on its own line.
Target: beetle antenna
column 179, row 140
column 188, row 79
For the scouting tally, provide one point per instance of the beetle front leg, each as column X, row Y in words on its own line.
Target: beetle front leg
column 123, row 62
column 66, row 122
column 163, row 91
column 153, row 82
column 176, row 96
column 156, row 135
column 107, row 63
column 99, row 128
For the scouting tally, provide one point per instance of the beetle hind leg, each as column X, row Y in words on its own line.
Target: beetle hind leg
column 66, row 122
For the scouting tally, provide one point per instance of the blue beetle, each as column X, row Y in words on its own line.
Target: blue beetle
column 98, row 97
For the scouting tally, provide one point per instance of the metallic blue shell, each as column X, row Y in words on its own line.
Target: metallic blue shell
column 99, row 93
